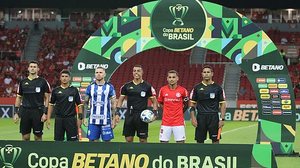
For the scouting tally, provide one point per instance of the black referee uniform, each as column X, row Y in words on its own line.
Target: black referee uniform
column 207, row 98
column 65, row 101
column 32, row 92
column 137, row 101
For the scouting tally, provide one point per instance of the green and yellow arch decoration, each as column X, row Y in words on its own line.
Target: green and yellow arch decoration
column 183, row 24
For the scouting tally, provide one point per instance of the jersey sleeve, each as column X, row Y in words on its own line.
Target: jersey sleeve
column 151, row 92
column 160, row 96
column 185, row 95
column 19, row 90
column 193, row 95
column 221, row 95
column 77, row 97
column 53, row 97
column 112, row 92
column 123, row 90
column 47, row 87
column 88, row 91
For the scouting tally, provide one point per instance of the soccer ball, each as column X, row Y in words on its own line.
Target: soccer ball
column 147, row 116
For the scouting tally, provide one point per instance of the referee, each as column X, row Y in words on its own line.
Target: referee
column 137, row 91
column 207, row 98
column 64, row 99
column 33, row 94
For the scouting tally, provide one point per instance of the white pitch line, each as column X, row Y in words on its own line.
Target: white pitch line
column 236, row 129
column 240, row 128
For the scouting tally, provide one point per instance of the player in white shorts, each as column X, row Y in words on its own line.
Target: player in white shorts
column 173, row 98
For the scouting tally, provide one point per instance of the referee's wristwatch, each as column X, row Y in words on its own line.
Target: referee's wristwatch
column 222, row 119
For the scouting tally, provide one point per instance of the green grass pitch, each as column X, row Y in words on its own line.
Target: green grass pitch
column 234, row 132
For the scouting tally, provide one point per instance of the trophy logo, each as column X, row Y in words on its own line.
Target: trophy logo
column 9, row 155
column 178, row 11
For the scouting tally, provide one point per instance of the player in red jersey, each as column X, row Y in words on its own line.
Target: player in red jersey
column 174, row 100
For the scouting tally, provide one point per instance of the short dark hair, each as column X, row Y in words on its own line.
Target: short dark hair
column 207, row 66
column 138, row 66
column 100, row 67
column 65, row 71
column 33, row 62
column 173, row 71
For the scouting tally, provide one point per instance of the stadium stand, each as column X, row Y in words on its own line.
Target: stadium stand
column 157, row 62
column 62, row 44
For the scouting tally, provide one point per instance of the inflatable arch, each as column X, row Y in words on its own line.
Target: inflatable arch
column 179, row 25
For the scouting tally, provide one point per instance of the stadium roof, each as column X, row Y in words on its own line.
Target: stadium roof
column 272, row 4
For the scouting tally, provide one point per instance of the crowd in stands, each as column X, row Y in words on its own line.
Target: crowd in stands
column 59, row 48
column 12, row 42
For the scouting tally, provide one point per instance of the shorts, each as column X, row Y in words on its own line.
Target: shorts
column 207, row 123
column 133, row 124
column 31, row 119
column 97, row 131
column 68, row 126
column 166, row 131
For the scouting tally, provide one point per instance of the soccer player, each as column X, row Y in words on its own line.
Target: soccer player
column 33, row 94
column 64, row 99
column 174, row 99
column 102, row 98
column 206, row 99
column 137, row 92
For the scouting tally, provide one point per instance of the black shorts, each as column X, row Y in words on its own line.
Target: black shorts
column 207, row 123
column 31, row 119
column 68, row 126
column 132, row 124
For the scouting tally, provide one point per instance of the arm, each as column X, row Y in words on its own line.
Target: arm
column 50, row 110
column 17, row 106
column 46, row 102
column 192, row 107
column 223, row 110
column 85, row 108
column 113, row 110
column 118, row 107
column 155, row 106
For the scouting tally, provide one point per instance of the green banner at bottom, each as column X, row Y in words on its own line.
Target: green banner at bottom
column 124, row 155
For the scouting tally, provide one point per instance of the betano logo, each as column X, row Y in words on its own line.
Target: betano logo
column 9, row 155
column 257, row 67
column 83, row 66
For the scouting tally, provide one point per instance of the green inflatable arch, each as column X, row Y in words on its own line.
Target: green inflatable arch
column 183, row 24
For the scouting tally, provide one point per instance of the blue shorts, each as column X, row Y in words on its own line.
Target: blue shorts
column 97, row 131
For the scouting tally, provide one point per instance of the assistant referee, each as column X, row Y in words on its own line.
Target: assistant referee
column 33, row 94
column 207, row 98
column 64, row 99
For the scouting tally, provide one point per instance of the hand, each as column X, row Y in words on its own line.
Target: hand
column 155, row 115
column 79, row 123
column 221, row 123
column 85, row 122
column 194, row 122
column 48, row 123
column 44, row 118
column 113, row 124
column 16, row 118
column 117, row 119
